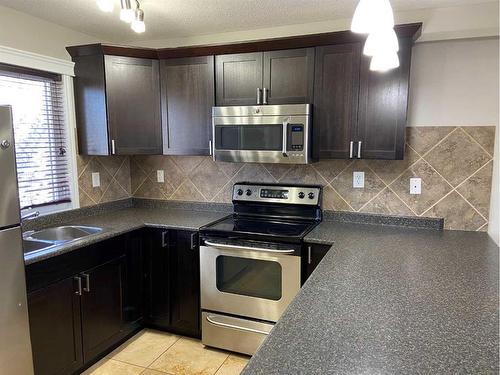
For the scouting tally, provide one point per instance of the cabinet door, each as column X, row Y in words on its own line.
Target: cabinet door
column 101, row 307
column 288, row 76
column 336, row 90
column 314, row 255
column 158, row 277
column 55, row 326
column 185, row 287
column 383, row 103
column 133, row 103
column 133, row 285
column 238, row 78
column 187, row 94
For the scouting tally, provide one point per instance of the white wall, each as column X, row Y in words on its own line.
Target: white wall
column 467, row 21
column 454, row 83
column 24, row 32
column 494, row 222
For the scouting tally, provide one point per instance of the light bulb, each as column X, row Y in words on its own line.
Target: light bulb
column 105, row 5
column 372, row 15
column 384, row 61
column 126, row 13
column 381, row 41
column 138, row 24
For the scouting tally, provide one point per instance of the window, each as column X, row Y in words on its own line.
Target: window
column 37, row 100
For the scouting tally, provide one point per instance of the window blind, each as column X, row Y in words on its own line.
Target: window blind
column 40, row 134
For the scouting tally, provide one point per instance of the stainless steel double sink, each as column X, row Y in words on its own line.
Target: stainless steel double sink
column 50, row 237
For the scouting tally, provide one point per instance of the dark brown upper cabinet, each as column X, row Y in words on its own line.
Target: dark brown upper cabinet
column 359, row 113
column 187, row 98
column 336, row 92
column 117, row 101
column 274, row 77
column 383, row 104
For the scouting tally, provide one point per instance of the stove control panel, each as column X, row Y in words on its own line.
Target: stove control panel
column 304, row 195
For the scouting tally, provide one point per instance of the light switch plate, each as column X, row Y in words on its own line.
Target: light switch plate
column 358, row 180
column 415, row 186
column 160, row 175
column 96, row 179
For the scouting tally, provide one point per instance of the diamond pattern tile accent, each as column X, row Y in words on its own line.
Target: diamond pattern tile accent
column 455, row 164
column 457, row 157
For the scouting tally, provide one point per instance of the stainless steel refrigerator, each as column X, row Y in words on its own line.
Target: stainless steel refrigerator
column 15, row 345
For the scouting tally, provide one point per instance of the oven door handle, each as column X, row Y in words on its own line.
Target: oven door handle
column 227, row 325
column 226, row 246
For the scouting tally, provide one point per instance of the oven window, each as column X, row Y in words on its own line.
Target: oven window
column 249, row 277
column 249, row 137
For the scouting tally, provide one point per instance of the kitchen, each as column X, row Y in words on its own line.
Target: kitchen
column 286, row 187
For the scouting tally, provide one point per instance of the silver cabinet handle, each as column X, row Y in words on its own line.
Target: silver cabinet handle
column 211, row 321
column 285, row 137
column 113, row 149
column 164, row 239
column 351, row 149
column 210, row 147
column 86, row 276
column 78, row 280
column 309, row 255
column 227, row 246
column 258, row 95
column 359, row 150
column 265, row 91
column 194, row 241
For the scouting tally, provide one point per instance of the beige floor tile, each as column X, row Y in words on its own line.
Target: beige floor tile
column 112, row 367
column 152, row 372
column 144, row 348
column 189, row 356
column 233, row 365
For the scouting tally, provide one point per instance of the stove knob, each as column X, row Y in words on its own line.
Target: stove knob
column 239, row 192
column 301, row 195
column 311, row 195
column 249, row 192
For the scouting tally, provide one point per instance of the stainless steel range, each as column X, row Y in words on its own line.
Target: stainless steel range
column 251, row 262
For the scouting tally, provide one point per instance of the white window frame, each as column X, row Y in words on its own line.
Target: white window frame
column 65, row 68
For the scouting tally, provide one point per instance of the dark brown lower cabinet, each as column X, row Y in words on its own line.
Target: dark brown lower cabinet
column 174, row 269
column 101, row 306
column 313, row 255
column 55, row 325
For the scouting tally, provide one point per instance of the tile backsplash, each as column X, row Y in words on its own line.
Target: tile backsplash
column 454, row 163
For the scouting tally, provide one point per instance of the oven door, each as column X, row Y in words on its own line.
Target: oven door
column 250, row 282
column 262, row 139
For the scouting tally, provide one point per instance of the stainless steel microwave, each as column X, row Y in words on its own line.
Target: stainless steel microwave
column 262, row 134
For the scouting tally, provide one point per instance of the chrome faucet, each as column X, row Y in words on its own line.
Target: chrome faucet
column 31, row 215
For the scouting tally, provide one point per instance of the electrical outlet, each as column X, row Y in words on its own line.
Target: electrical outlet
column 160, row 175
column 96, row 179
column 358, row 180
column 415, row 186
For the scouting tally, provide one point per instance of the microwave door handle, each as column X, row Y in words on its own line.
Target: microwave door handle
column 227, row 246
column 285, row 137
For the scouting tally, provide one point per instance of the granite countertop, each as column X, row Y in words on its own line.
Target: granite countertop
column 389, row 300
column 124, row 220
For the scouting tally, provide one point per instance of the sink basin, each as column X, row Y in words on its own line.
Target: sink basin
column 30, row 246
column 64, row 233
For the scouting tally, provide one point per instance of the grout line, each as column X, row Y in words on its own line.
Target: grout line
column 472, row 175
column 470, row 204
column 482, row 226
column 474, row 140
column 406, row 204
column 341, row 197
column 222, row 364
column 198, row 190
column 437, row 202
column 88, row 196
column 84, row 167
column 269, row 173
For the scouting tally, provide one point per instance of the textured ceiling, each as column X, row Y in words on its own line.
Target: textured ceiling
column 179, row 18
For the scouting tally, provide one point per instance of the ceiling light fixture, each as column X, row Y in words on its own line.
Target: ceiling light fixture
column 127, row 14
column 105, row 5
column 138, row 24
column 376, row 18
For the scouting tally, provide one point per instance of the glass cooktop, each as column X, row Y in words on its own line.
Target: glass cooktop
column 237, row 225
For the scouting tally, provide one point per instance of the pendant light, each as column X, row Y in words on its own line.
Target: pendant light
column 127, row 14
column 138, row 24
column 380, row 41
column 384, row 61
column 105, row 5
column 372, row 15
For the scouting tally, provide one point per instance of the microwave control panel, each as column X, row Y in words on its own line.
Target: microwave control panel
column 296, row 138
